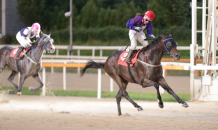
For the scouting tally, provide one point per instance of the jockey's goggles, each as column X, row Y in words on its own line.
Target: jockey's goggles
column 146, row 19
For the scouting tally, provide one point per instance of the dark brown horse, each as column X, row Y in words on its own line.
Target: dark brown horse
column 146, row 74
column 30, row 65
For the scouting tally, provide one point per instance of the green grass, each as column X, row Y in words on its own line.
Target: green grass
column 93, row 94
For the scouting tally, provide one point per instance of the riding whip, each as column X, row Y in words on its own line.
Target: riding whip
column 131, row 40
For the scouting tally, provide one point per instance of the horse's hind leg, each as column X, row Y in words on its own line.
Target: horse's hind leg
column 37, row 78
column 164, row 85
column 2, row 64
column 10, row 79
column 148, row 83
column 122, row 92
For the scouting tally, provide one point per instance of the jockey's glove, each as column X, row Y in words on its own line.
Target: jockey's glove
column 138, row 29
column 152, row 36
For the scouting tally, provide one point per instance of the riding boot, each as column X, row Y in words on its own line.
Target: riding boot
column 128, row 60
column 18, row 53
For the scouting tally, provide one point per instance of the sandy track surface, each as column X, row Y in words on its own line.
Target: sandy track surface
column 80, row 113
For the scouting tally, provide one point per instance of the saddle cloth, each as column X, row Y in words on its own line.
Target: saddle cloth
column 123, row 56
column 14, row 51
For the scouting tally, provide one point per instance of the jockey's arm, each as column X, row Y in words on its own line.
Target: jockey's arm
column 24, row 32
column 149, row 29
column 131, row 24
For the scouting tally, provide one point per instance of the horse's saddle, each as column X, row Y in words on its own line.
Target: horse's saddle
column 123, row 56
column 14, row 52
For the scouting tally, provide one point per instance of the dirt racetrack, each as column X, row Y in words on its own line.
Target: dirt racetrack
column 80, row 113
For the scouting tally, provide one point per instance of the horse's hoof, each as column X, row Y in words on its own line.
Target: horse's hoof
column 18, row 93
column 11, row 92
column 140, row 109
column 185, row 105
column 161, row 106
column 31, row 88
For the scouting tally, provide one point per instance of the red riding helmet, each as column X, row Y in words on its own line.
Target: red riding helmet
column 150, row 14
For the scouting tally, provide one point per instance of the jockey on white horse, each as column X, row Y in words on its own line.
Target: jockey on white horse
column 24, row 35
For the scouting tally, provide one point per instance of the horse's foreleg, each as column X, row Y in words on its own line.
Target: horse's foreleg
column 118, row 99
column 10, row 79
column 38, row 79
column 164, row 85
column 22, row 78
column 148, row 83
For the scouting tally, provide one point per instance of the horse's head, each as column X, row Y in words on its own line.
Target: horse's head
column 169, row 47
column 47, row 43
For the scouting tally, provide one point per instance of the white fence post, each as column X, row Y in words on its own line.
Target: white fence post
column 52, row 68
column 78, row 54
column 160, row 88
column 111, row 85
column 99, row 84
column 64, row 78
column 93, row 52
column 44, row 81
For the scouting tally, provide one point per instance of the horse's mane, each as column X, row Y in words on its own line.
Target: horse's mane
column 34, row 44
column 155, row 41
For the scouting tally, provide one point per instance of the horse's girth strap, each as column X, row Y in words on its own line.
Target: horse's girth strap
column 130, row 73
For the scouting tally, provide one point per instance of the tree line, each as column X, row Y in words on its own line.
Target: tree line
column 105, row 20
column 103, row 13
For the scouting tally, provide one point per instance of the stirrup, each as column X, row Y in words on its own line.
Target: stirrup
column 17, row 58
column 128, row 61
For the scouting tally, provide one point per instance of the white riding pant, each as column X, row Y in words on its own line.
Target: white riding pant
column 24, row 41
column 140, row 36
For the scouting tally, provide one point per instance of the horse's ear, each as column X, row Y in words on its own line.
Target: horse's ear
column 49, row 34
column 170, row 35
column 41, row 34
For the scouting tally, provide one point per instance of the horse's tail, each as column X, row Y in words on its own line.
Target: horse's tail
column 92, row 64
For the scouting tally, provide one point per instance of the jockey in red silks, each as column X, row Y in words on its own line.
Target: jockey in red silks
column 23, row 37
column 136, row 27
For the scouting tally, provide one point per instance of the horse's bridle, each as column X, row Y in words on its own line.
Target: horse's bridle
column 44, row 42
column 33, row 58
column 167, row 52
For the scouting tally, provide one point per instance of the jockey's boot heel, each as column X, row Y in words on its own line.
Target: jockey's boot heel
column 128, row 60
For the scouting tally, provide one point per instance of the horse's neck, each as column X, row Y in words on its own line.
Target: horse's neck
column 36, row 53
column 154, row 55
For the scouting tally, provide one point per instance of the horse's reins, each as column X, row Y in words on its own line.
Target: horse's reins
column 130, row 41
